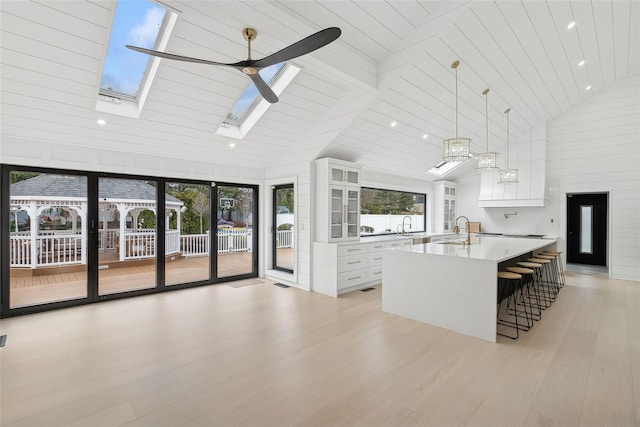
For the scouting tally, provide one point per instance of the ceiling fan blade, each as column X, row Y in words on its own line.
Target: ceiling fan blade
column 263, row 88
column 304, row 46
column 176, row 57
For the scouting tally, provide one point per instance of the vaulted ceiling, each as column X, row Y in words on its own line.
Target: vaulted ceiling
column 391, row 64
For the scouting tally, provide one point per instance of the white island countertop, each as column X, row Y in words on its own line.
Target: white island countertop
column 485, row 247
column 452, row 286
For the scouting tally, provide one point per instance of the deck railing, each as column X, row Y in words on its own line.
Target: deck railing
column 284, row 239
column 61, row 249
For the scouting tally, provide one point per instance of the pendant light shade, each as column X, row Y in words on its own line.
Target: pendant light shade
column 508, row 176
column 487, row 161
column 456, row 149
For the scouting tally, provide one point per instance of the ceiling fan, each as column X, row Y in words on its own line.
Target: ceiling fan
column 250, row 66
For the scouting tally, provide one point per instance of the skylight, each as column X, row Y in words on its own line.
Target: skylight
column 127, row 75
column 251, row 106
column 250, row 96
column 444, row 167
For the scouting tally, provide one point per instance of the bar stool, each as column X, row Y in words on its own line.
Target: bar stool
column 533, row 286
column 510, row 282
column 550, row 274
column 528, row 279
column 559, row 265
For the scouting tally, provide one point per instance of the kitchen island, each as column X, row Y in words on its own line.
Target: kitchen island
column 451, row 285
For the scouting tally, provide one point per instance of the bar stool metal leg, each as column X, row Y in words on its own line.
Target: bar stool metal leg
column 507, row 284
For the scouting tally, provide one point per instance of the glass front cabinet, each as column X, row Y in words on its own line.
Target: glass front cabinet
column 344, row 212
column 337, row 200
column 444, row 209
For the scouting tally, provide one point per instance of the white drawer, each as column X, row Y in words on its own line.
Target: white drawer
column 375, row 274
column 376, row 247
column 352, row 250
column 352, row 262
column 396, row 244
column 374, row 258
column 352, row 278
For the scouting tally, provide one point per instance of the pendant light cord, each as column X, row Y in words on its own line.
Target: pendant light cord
column 507, row 112
column 486, row 114
column 455, row 67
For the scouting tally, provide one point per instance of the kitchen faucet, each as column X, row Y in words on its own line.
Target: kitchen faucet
column 456, row 229
column 403, row 221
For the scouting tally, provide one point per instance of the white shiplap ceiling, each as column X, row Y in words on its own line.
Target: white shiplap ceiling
column 392, row 63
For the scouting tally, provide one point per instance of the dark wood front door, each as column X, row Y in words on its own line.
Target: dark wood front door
column 587, row 228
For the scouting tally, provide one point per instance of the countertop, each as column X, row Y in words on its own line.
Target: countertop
column 386, row 237
column 482, row 247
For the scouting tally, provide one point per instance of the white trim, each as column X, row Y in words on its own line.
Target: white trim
column 283, row 79
column 267, row 231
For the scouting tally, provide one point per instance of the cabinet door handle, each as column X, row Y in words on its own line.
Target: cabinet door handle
column 379, row 258
column 353, row 250
column 344, row 209
column 354, row 262
column 354, row 278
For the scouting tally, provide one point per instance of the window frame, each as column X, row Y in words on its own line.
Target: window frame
column 392, row 232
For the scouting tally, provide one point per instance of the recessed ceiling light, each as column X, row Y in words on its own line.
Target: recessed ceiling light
column 588, row 87
column 425, row 136
column 393, row 124
column 581, row 63
column 232, row 145
column 101, row 122
column 571, row 25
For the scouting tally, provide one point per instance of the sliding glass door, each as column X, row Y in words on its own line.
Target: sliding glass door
column 126, row 235
column 71, row 237
column 187, row 226
column 236, row 233
column 47, row 245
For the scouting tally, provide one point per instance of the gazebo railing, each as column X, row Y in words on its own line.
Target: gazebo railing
column 20, row 251
column 108, row 239
column 50, row 250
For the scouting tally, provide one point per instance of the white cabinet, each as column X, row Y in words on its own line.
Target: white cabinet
column 345, row 213
column 343, row 174
column 444, row 206
column 346, row 267
column 337, row 200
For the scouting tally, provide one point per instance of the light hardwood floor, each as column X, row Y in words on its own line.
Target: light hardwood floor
column 262, row 355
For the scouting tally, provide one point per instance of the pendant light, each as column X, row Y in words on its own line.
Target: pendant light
column 487, row 161
column 508, row 176
column 456, row 149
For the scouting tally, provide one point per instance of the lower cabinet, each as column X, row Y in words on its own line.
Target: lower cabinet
column 346, row 267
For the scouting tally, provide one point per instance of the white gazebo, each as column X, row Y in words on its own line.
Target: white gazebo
column 56, row 200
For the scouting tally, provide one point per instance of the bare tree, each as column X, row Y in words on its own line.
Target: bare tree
column 200, row 206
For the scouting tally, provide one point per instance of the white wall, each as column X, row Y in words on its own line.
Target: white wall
column 49, row 154
column 594, row 147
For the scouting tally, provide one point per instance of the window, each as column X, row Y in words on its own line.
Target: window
column 127, row 75
column 387, row 211
column 444, row 167
column 251, row 106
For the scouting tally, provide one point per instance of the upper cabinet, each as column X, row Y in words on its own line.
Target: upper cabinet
column 337, row 200
column 527, row 154
column 342, row 174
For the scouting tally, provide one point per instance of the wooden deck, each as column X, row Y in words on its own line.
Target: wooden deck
column 65, row 283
